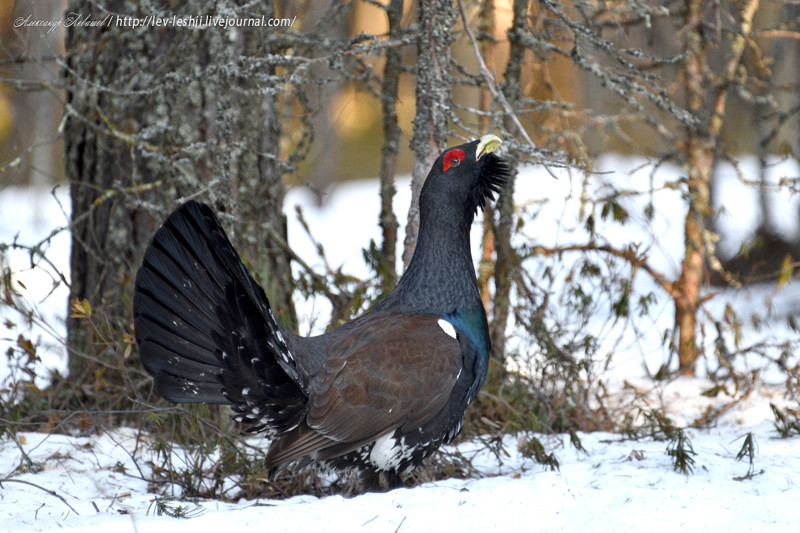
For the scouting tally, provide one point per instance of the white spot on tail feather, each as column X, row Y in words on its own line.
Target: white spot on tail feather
column 447, row 327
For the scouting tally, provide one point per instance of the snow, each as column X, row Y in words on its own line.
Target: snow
column 29, row 216
column 615, row 485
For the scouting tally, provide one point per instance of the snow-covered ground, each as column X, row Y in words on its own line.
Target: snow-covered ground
column 615, row 486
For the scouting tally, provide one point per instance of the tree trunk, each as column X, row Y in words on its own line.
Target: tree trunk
column 257, row 171
column 145, row 131
column 699, row 158
column 391, row 146
column 433, row 96
column 503, row 225
column 700, row 152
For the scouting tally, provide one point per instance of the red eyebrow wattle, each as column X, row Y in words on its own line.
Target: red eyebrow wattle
column 452, row 154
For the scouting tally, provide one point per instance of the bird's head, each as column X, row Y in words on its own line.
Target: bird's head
column 464, row 177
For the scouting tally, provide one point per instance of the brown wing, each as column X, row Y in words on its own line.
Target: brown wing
column 390, row 371
column 395, row 370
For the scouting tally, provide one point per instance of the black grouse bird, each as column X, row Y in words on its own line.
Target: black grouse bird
column 378, row 394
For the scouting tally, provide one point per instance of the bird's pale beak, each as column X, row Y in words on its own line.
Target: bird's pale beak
column 487, row 145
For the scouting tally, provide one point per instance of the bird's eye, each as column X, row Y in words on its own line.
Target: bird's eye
column 453, row 158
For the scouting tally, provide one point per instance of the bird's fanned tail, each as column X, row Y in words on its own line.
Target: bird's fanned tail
column 204, row 327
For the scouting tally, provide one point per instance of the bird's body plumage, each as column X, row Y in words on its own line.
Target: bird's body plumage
column 378, row 394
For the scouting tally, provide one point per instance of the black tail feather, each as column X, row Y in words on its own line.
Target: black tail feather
column 204, row 327
column 272, row 403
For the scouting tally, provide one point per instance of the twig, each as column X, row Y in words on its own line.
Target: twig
column 491, row 82
column 738, row 46
column 628, row 255
column 48, row 491
column 508, row 110
column 26, row 458
column 778, row 34
column 133, row 459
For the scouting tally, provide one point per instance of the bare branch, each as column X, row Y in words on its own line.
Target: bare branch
column 48, row 491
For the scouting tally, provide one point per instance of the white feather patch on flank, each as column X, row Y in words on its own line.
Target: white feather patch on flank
column 387, row 453
column 447, row 327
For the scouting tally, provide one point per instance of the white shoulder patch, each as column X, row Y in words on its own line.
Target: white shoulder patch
column 447, row 327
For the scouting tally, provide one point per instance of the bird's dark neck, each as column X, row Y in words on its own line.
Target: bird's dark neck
column 440, row 277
